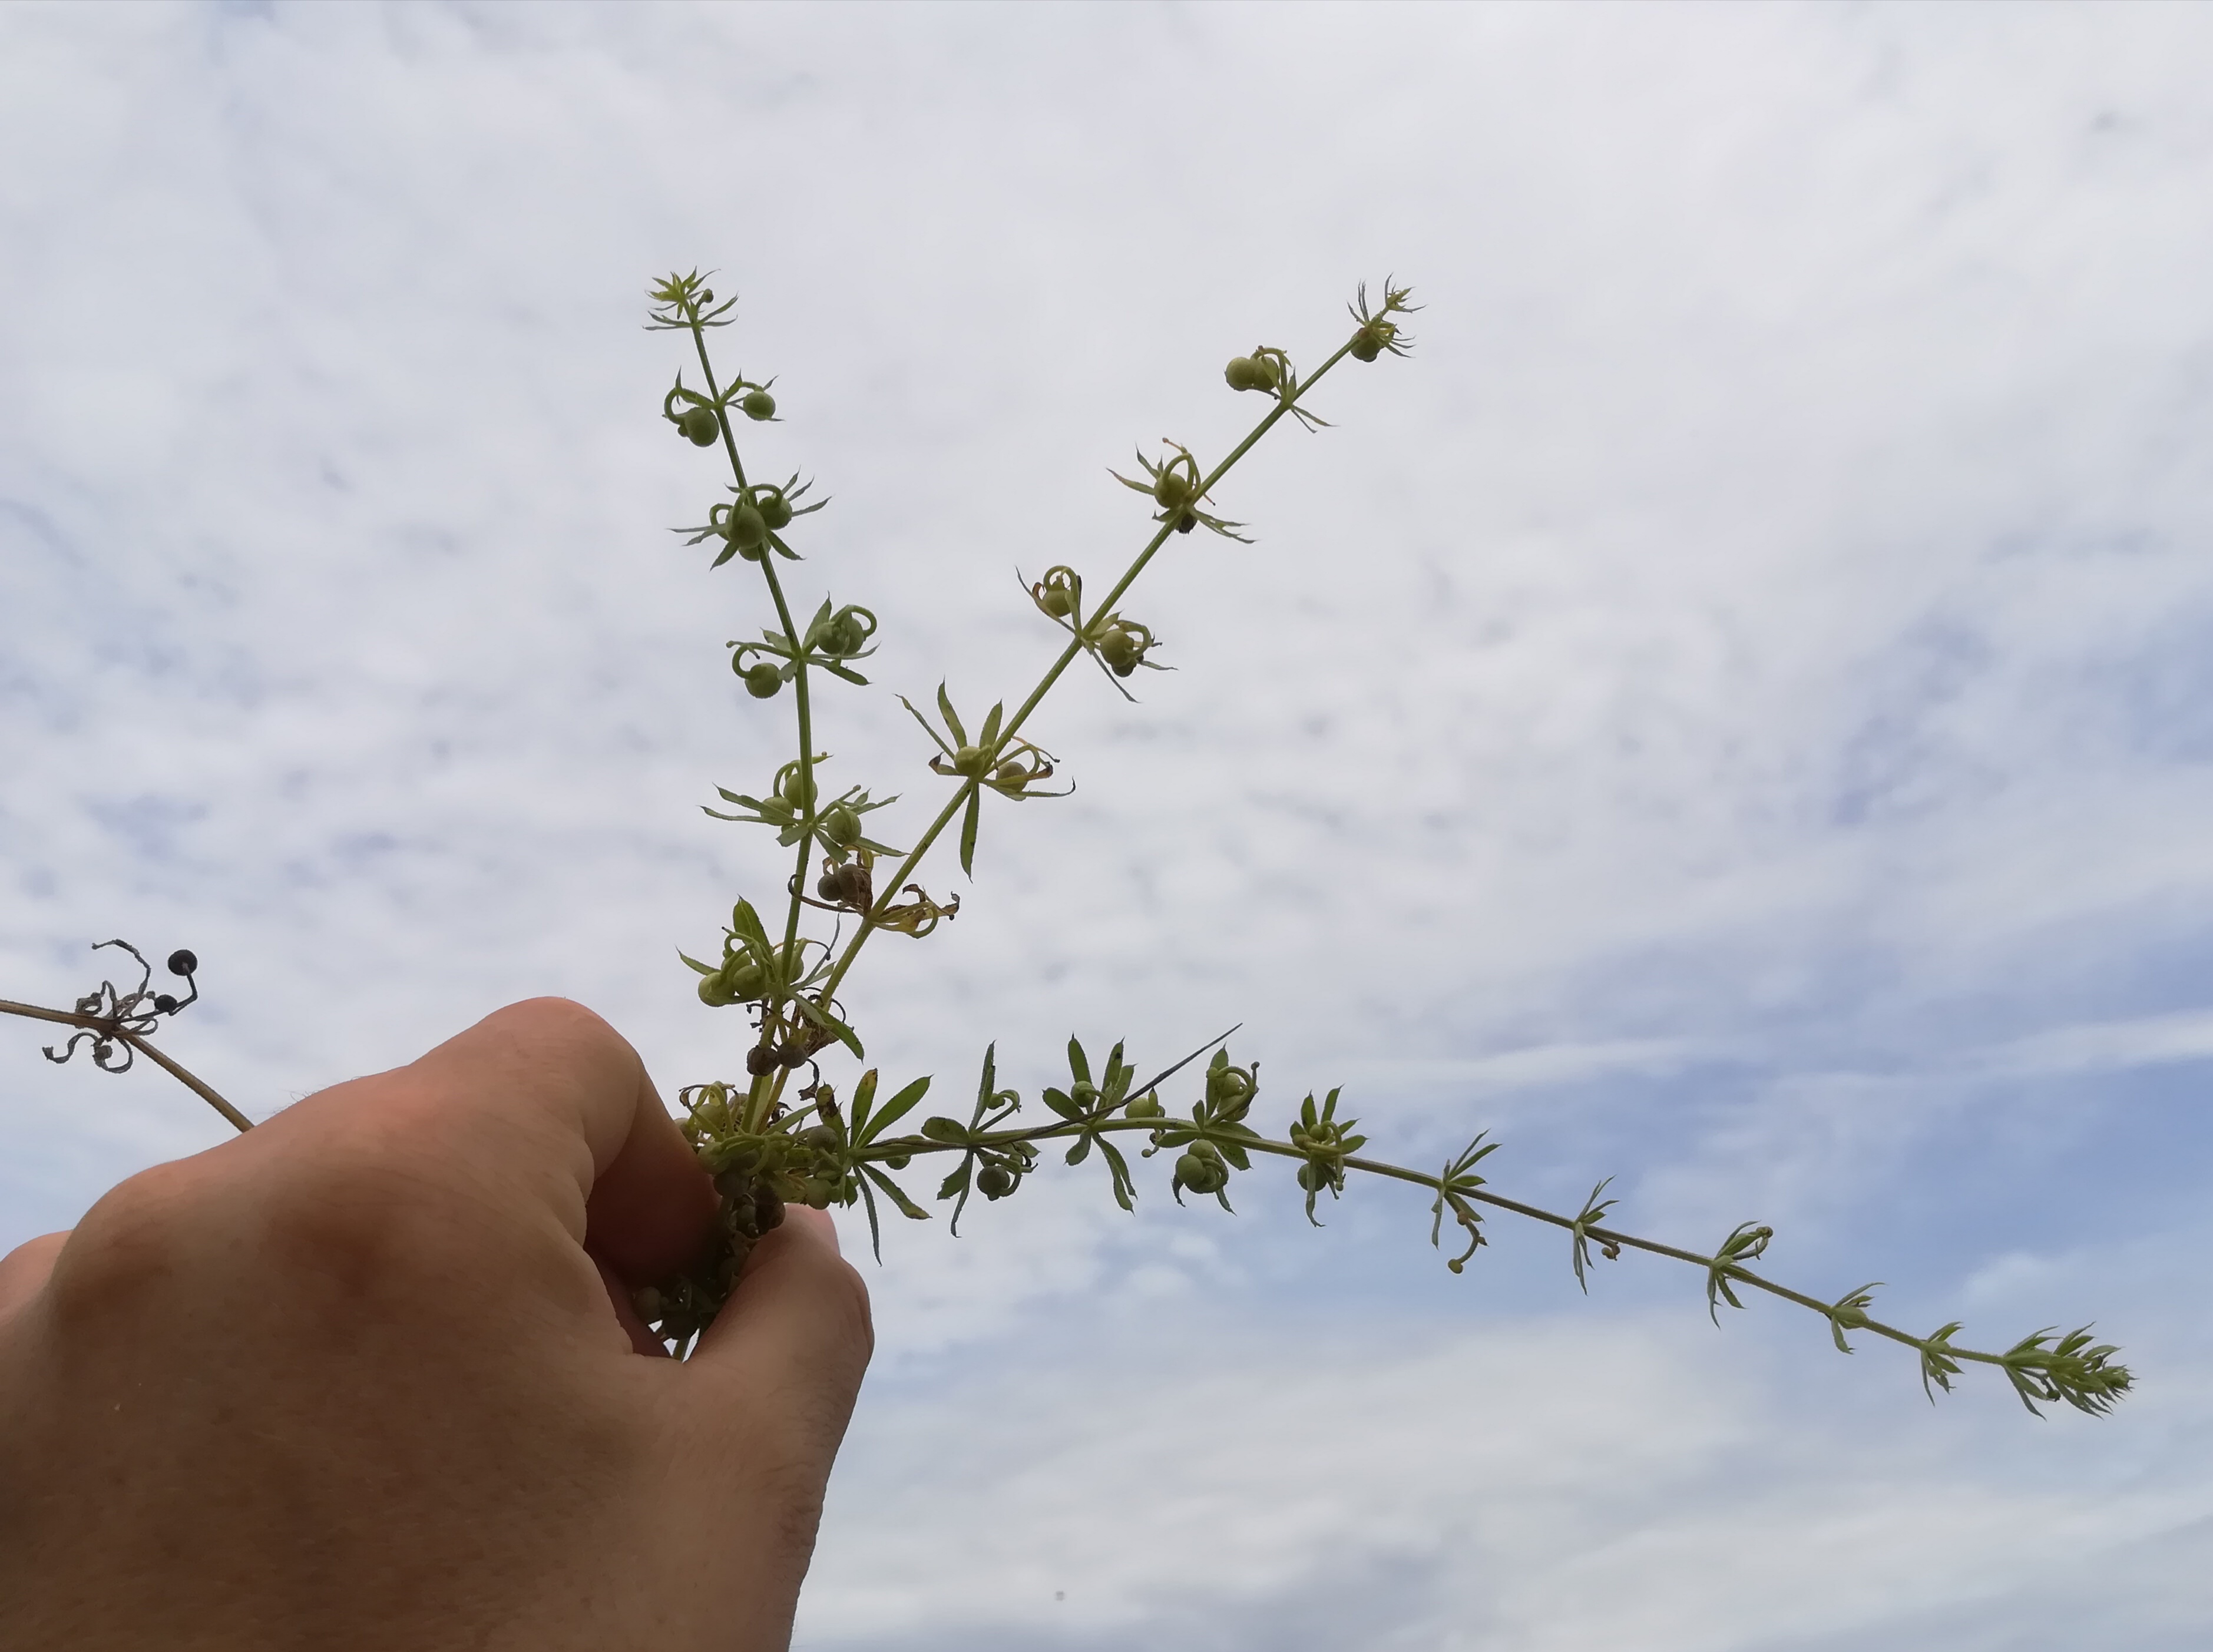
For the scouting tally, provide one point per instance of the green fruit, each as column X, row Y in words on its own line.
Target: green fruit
column 1121, row 650
column 746, row 528
column 759, row 405
column 763, row 680
column 1372, row 339
column 1058, row 602
column 715, row 991
column 841, row 826
column 820, row 1138
column 972, row 761
column 775, row 508
column 1249, row 373
column 1173, row 487
column 700, row 425
column 995, row 1181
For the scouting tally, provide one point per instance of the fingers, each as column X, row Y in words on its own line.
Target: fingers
column 24, row 1270
column 650, row 1209
column 545, row 1100
column 791, row 1345
column 539, row 1108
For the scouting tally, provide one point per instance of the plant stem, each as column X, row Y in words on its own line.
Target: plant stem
column 108, row 1028
column 961, row 794
column 761, row 1096
column 1736, row 1272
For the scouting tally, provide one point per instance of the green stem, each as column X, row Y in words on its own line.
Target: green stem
column 913, row 1146
column 1068, row 656
column 762, row 1096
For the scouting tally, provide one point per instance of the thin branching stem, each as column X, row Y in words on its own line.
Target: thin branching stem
column 106, row 1028
column 1053, row 673
column 906, row 1147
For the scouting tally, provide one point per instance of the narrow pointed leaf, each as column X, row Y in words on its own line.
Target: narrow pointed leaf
column 896, row 1109
column 935, row 739
column 952, row 717
column 968, row 823
column 830, row 1023
column 907, row 1207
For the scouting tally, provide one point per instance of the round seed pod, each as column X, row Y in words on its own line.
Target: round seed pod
column 699, row 425
column 794, row 1053
column 972, row 760
column 844, row 635
column 761, row 1058
column 898, row 1162
column 820, row 1138
column 1249, row 373
column 841, row 826
column 794, row 786
column 715, row 990
column 1121, row 651
column 759, row 405
column 1226, row 1086
column 746, row 528
column 1010, row 773
column 768, row 1210
column 762, row 681
column 1058, row 602
column 995, row 1181
column 647, row 1303
column 775, row 508
column 164, row 1004
column 1191, row 1170
column 1172, row 488
column 183, row 962
column 843, row 885
column 1311, row 1177
column 1371, row 341
column 1147, row 1105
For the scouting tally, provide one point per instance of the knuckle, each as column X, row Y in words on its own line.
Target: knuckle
column 134, row 1238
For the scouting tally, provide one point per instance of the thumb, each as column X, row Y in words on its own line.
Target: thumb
column 787, row 1353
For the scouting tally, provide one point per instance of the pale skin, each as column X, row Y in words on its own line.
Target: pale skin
column 367, row 1377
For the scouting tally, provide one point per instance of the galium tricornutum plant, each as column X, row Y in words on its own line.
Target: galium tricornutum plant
column 781, row 1133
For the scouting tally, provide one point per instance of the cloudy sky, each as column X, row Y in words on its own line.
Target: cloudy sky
column 1731, row 712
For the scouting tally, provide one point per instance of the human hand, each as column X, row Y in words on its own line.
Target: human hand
column 368, row 1376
